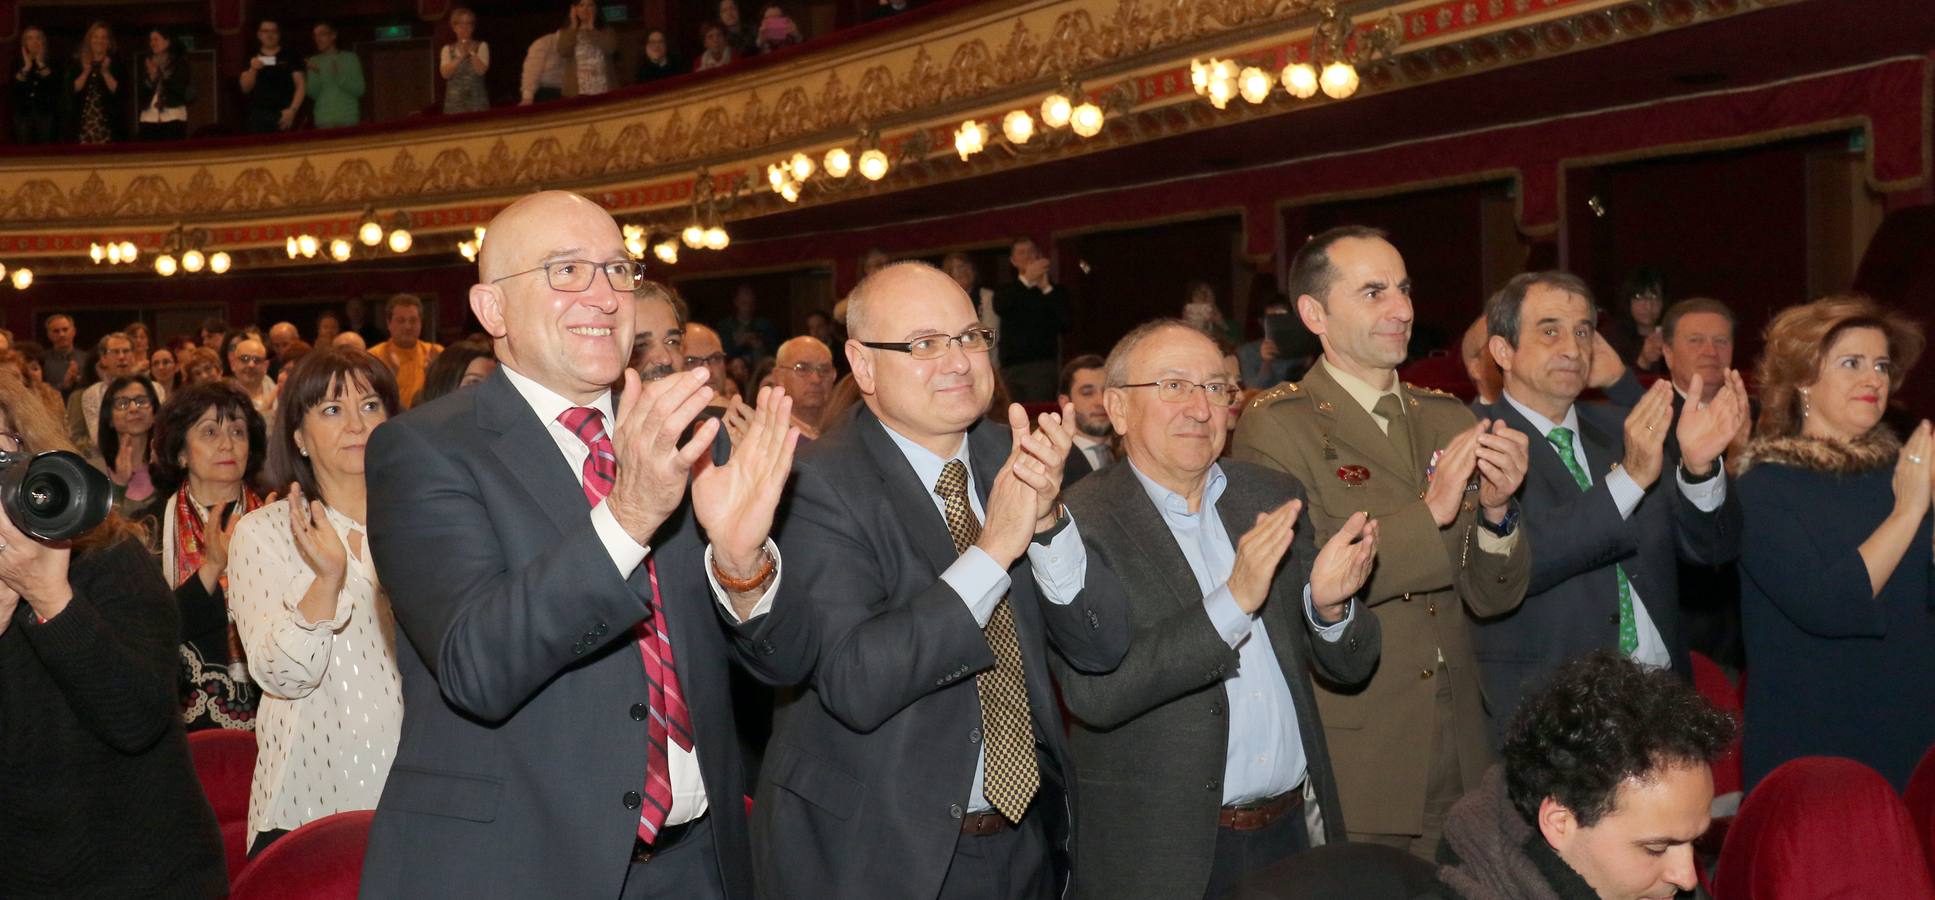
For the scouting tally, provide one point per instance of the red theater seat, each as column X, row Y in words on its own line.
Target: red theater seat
column 1712, row 683
column 1822, row 827
column 1921, row 804
column 225, row 764
column 322, row 860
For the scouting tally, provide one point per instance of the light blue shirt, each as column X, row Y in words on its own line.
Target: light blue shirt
column 1264, row 756
column 1626, row 493
column 1060, row 568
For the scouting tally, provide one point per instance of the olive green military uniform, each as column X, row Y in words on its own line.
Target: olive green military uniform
column 1419, row 725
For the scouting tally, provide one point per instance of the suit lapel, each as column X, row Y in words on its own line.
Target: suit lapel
column 1602, row 449
column 545, row 476
column 1137, row 516
column 1544, row 457
column 909, row 497
column 1346, row 424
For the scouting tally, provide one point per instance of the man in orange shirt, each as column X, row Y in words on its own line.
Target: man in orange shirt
column 405, row 354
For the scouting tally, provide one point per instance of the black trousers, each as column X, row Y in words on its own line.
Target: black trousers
column 34, row 128
column 688, row 870
column 163, row 131
column 1240, row 853
column 264, row 121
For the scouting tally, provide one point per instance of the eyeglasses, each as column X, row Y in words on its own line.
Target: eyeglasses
column 934, row 346
column 824, row 370
column 123, row 404
column 1176, row 390
column 574, row 275
column 250, row 359
column 693, row 362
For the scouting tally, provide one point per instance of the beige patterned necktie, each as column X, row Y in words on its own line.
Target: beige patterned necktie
column 1011, row 774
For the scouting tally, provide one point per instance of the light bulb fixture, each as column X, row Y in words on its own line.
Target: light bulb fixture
column 339, row 250
column 370, row 232
column 716, row 238
column 636, row 242
column 97, row 253
column 693, row 235
column 479, row 232
column 165, row 265
column 1220, row 92
column 192, row 261
column 1018, row 126
column 468, row 250
column 400, row 240
column 218, row 262
column 1199, row 76
column 307, row 245
column 790, row 191
column 1056, row 109
column 23, row 278
column 873, row 165
column 1339, row 80
column 801, row 166
column 290, row 245
column 1300, row 79
column 128, row 253
column 1087, row 120
column 1255, row 85
column 838, row 162
column 776, row 176
column 113, row 253
column 970, row 138
column 667, row 251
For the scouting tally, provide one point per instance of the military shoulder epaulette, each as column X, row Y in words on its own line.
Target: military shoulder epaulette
column 1431, row 392
column 1285, row 391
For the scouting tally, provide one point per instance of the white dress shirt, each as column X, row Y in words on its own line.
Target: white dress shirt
column 1626, row 493
column 1060, row 568
column 688, row 787
column 1093, row 449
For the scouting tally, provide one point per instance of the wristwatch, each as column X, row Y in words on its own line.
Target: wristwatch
column 1061, row 521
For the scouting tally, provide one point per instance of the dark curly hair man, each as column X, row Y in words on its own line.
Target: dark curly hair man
column 1605, row 783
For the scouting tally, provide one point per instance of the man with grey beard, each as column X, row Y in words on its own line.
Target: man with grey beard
column 1081, row 387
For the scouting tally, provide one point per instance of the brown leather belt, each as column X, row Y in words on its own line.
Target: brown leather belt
column 1262, row 813
column 983, row 824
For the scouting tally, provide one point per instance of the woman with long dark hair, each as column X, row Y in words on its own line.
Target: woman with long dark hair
column 126, row 426
column 164, row 96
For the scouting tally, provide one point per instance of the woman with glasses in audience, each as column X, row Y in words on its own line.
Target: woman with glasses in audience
column 314, row 620
column 101, row 798
column 126, row 424
column 209, row 447
column 461, row 364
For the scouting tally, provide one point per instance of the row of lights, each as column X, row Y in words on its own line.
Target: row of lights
column 21, row 276
column 1220, row 81
column 788, row 177
column 371, row 233
column 181, row 251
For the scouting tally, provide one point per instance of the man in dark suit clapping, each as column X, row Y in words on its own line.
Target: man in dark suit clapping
column 925, row 758
column 566, row 729
column 1202, row 757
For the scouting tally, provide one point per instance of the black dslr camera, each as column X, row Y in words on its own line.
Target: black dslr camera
column 53, row 496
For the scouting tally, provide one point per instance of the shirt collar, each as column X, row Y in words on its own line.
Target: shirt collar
column 1083, row 441
column 928, row 464
column 549, row 404
column 1175, row 507
column 1359, row 389
column 1543, row 424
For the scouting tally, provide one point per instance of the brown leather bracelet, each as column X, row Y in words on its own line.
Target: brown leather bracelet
column 742, row 585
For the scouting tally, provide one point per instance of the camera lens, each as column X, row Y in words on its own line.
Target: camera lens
column 45, row 494
column 54, row 496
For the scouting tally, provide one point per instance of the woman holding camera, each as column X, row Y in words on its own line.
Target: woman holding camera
column 127, row 421
column 314, row 620
column 100, row 797
column 209, row 447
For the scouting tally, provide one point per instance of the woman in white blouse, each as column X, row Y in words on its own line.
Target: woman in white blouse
column 314, row 621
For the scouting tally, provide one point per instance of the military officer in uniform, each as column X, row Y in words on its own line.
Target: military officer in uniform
column 1440, row 485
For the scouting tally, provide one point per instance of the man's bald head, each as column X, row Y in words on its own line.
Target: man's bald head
column 864, row 304
column 804, row 347
column 515, row 237
column 804, row 368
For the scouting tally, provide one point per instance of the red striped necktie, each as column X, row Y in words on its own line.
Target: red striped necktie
column 669, row 716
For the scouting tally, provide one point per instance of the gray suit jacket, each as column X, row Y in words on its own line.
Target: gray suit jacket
column 524, row 741
column 1150, row 738
column 1572, row 602
column 864, row 783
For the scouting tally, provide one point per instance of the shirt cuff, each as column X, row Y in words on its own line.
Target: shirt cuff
column 1331, row 633
column 1626, row 492
column 979, row 582
column 1495, row 545
column 1229, row 619
column 765, row 603
column 1060, row 567
column 344, row 603
column 625, row 553
column 1707, row 495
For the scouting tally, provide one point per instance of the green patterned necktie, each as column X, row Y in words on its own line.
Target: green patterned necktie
column 1561, row 438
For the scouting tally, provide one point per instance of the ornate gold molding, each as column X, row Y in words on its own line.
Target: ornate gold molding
column 637, row 155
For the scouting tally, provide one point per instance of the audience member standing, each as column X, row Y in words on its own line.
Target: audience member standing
column 126, row 425
column 1082, row 389
column 746, row 333
column 657, row 61
column 1035, row 314
column 1636, row 334
column 462, row 63
column 740, row 35
column 406, row 353
column 805, row 371
column 962, row 268
column 716, row 51
column 356, row 318
column 1234, row 608
column 274, row 81
column 460, row 365
column 30, row 356
column 209, row 447
column 1263, row 364
column 248, row 367
column 36, row 91
column 101, row 798
column 113, row 358
column 94, row 88
column 314, row 621
column 571, row 61
column 164, row 91
column 335, row 80
column 604, row 751
column 1411, row 743
column 200, row 365
column 143, row 341
column 1202, row 313
column 283, row 343
column 777, row 29
column 1605, row 573
column 1837, row 593
column 926, row 758
column 61, row 364
column 163, row 369
column 703, row 348
column 328, row 325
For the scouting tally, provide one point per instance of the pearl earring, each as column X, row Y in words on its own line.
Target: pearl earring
column 1805, row 407
column 304, row 451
